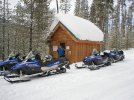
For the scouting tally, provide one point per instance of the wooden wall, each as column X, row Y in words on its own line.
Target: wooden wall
column 61, row 36
column 85, row 49
column 77, row 49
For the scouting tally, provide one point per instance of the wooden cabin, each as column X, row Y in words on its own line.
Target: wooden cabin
column 76, row 35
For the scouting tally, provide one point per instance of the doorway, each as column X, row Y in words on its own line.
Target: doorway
column 63, row 45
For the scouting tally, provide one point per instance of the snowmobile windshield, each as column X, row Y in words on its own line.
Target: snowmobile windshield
column 30, row 56
column 11, row 56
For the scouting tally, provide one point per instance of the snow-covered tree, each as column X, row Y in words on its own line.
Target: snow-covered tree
column 115, row 28
column 84, row 12
column 130, row 31
column 0, row 28
column 65, row 6
column 100, row 10
column 38, row 20
column 26, row 28
column 82, row 9
column 77, row 8
column 122, row 35
column 100, row 14
column 4, row 34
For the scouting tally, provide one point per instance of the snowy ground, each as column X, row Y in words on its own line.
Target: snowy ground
column 110, row 83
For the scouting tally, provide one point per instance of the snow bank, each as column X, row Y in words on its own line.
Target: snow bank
column 81, row 28
column 115, row 82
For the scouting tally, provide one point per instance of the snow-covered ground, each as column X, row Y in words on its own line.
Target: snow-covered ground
column 109, row 83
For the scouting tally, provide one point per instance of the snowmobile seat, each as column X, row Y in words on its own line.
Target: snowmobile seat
column 121, row 52
column 106, row 54
column 44, row 63
column 11, row 58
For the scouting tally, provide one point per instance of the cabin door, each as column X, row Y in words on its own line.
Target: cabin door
column 63, row 45
column 67, row 50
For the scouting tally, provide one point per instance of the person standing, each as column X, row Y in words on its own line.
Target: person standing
column 61, row 52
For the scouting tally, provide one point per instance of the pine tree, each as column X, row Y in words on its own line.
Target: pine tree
column 30, row 4
column 38, row 10
column 29, row 16
column 21, row 34
column 99, row 15
column 100, row 10
column 82, row 9
column 122, row 22
column 115, row 28
column 4, row 18
column 3, row 30
column 17, row 33
column 0, row 29
column 122, row 35
column 130, row 34
column 42, row 16
column 93, row 15
column 65, row 6
column 77, row 8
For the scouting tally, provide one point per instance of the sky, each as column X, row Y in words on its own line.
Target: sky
column 13, row 3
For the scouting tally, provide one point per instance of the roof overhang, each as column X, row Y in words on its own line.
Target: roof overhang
column 65, row 28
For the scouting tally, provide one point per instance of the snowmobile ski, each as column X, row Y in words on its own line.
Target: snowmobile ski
column 80, row 67
column 16, row 78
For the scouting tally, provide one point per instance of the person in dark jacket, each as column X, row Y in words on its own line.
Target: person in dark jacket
column 61, row 52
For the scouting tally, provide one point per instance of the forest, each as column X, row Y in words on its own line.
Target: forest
column 26, row 27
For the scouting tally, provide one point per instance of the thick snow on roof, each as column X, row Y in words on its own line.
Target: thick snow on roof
column 80, row 28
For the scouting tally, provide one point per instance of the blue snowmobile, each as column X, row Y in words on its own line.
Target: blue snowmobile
column 6, row 65
column 116, row 56
column 96, row 61
column 33, row 65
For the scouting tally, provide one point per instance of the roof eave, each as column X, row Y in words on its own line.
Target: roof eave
column 56, row 27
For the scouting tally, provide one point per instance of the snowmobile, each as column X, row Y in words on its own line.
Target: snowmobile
column 116, row 56
column 12, row 60
column 94, row 62
column 35, row 67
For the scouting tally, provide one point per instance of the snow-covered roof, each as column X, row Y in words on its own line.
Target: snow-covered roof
column 82, row 29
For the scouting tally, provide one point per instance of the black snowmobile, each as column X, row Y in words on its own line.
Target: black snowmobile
column 34, row 66
column 94, row 62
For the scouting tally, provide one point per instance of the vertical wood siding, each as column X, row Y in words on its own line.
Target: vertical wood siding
column 77, row 49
